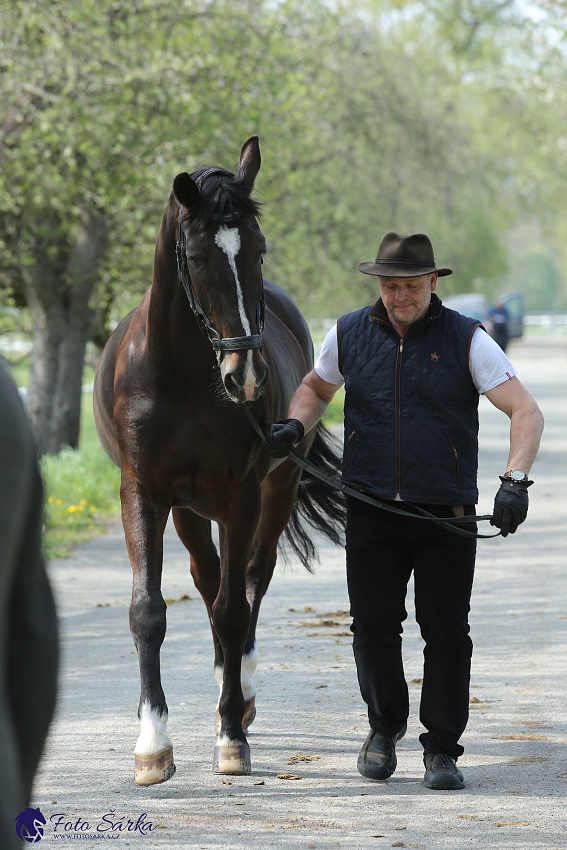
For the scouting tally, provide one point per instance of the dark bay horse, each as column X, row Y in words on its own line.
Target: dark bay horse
column 168, row 401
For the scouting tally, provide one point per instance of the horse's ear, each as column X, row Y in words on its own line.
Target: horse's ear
column 250, row 160
column 185, row 189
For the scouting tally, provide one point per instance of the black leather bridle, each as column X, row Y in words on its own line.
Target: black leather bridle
column 219, row 343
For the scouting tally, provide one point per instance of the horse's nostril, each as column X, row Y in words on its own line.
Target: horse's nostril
column 232, row 385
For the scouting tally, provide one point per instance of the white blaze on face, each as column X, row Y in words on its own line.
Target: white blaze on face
column 228, row 240
column 153, row 734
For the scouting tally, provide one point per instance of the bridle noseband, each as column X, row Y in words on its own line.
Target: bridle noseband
column 220, row 344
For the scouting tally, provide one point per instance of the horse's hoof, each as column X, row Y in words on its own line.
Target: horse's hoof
column 247, row 720
column 233, row 760
column 155, row 768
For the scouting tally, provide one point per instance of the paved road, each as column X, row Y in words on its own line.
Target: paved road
column 311, row 721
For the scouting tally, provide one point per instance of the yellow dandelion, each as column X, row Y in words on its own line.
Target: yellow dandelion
column 74, row 509
column 49, row 501
column 92, row 509
column 83, row 502
column 58, row 501
column 92, row 525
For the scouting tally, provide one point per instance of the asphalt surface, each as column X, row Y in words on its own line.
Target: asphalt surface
column 311, row 721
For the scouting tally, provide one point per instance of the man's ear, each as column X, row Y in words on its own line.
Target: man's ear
column 433, row 281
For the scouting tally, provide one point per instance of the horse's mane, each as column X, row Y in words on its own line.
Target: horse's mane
column 223, row 196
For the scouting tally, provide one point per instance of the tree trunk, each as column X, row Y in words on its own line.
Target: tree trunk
column 58, row 285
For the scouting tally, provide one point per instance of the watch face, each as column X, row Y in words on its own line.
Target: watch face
column 518, row 475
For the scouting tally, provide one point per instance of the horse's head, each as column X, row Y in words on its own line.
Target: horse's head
column 224, row 247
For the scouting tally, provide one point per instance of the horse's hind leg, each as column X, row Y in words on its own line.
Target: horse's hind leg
column 231, row 620
column 144, row 522
column 195, row 534
column 278, row 497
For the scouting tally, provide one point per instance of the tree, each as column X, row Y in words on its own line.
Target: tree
column 384, row 115
column 81, row 87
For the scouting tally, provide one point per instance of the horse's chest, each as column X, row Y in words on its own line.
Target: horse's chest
column 193, row 460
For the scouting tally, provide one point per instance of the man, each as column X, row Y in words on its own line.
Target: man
column 499, row 316
column 413, row 371
column 28, row 624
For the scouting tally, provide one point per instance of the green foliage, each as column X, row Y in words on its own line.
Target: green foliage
column 441, row 117
column 360, row 121
column 535, row 273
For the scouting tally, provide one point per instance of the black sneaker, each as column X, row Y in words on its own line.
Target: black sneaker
column 442, row 773
column 377, row 758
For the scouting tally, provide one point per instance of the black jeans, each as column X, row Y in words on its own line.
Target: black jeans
column 382, row 550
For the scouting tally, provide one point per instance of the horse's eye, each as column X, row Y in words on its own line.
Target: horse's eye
column 262, row 258
column 195, row 261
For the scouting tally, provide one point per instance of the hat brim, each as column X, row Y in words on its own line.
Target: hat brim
column 391, row 270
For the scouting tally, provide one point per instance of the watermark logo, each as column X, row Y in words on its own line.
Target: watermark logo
column 30, row 825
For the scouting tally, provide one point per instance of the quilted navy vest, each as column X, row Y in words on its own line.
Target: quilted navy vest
column 411, row 407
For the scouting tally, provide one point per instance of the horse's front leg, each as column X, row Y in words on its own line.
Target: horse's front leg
column 231, row 620
column 144, row 522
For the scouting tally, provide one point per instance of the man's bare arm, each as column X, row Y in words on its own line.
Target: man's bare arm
column 526, row 422
column 311, row 400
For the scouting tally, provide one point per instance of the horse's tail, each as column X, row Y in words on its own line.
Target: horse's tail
column 318, row 505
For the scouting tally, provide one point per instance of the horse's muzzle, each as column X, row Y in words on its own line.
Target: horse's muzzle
column 244, row 375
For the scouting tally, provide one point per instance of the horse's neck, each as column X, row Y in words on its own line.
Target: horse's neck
column 173, row 335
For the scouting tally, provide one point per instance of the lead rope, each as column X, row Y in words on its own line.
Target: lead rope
column 444, row 522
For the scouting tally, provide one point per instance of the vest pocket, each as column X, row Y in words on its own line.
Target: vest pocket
column 455, row 455
column 351, row 441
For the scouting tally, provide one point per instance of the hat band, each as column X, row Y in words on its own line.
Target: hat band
column 400, row 261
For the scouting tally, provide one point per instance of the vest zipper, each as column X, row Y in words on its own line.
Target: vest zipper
column 397, row 406
column 352, row 440
column 455, row 460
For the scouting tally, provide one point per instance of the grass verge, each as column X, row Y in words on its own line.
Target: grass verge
column 82, row 490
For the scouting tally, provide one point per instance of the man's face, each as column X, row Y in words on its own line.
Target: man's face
column 407, row 298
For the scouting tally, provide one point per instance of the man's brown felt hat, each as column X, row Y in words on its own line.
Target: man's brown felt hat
column 404, row 256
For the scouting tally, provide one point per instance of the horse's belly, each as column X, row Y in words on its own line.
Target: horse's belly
column 211, row 493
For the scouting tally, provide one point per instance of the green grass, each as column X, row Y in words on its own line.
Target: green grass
column 81, row 487
column 81, row 490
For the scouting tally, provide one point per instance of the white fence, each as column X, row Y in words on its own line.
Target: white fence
column 547, row 320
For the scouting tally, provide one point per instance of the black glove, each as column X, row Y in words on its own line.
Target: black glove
column 510, row 505
column 281, row 436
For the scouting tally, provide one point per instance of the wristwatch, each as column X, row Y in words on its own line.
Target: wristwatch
column 517, row 475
